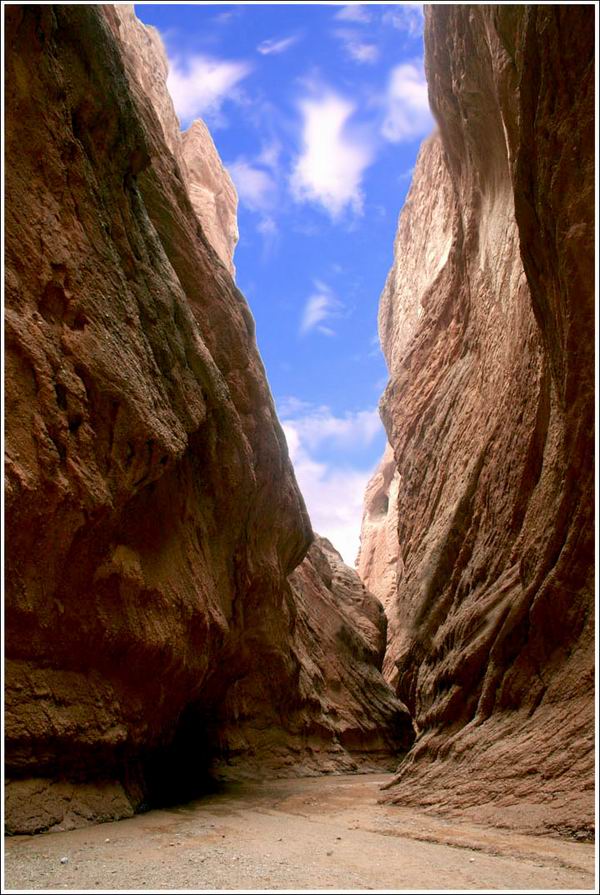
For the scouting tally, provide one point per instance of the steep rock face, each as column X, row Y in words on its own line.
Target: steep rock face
column 209, row 185
column 152, row 513
column 343, row 716
column 138, row 420
column 379, row 553
column 487, row 326
column 212, row 191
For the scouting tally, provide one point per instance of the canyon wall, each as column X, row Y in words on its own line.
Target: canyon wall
column 487, row 324
column 207, row 181
column 379, row 554
column 152, row 514
column 340, row 715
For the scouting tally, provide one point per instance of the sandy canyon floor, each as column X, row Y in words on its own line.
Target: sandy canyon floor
column 326, row 833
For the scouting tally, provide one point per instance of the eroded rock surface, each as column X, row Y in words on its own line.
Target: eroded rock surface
column 151, row 509
column 344, row 716
column 379, row 553
column 209, row 186
column 487, row 324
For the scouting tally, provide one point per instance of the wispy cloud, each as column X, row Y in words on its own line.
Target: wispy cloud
column 317, row 425
column 407, row 107
column 268, row 229
column 256, row 188
column 200, row 84
column 270, row 154
column 329, row 169
column 363, row 52
column 333, row 489
column 258, row 182
column 353, row 13
column 320, row 308
column 355, row 47
column 405, row 17
column 224, row 18
column 273, row 47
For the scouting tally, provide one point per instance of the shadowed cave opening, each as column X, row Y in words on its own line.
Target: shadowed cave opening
column 182, row 770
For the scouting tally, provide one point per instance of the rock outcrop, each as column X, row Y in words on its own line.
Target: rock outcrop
column 152, row 513
column 379, row 554
column 208, row 183
column 487, row 325
column 345, row 718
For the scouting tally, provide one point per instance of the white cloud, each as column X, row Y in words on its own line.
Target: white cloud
column 318, row 425
column 321, row 306
column 256, row 188
column 407, row 107
column 405, row 17
column 267, row 227
column 270, row 47
column 356, row 48
column 333, row 491
column 200, row 84
column 330, row 168
column 224, row 18
column 353, row 13
column 269, row 155
column 362, row 52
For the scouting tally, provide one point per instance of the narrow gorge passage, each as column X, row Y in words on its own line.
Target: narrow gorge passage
column 172, row 618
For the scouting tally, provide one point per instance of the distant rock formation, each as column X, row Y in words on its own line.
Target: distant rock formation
column 343, row 717
column 487, row 324
column 208, row 183
column 212, row 192
column 379, row 554
column 152, row 513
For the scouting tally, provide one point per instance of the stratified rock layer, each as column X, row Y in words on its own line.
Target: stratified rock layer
column 151, row 509
column 487, row 324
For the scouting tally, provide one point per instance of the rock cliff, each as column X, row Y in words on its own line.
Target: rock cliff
column 152, row 513
column 487, row 324
column 341, row 716
column 209, row 186
column 379, row 553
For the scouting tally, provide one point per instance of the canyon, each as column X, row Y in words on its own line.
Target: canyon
column 170, row 614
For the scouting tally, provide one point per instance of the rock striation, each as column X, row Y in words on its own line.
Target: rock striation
column 487, row 324
column 344, row 717
column 152, row 513
column 209, row 186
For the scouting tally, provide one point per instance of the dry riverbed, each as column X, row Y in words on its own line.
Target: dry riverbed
column 313, row 833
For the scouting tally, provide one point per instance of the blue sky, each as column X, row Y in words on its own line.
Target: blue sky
column 318, row 112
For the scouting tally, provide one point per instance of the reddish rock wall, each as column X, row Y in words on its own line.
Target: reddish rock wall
column 341, row 716
column 209, row 186
column 489, row 411
column 151, row 509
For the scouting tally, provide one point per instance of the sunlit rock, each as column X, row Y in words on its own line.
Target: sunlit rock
column 487, row 324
